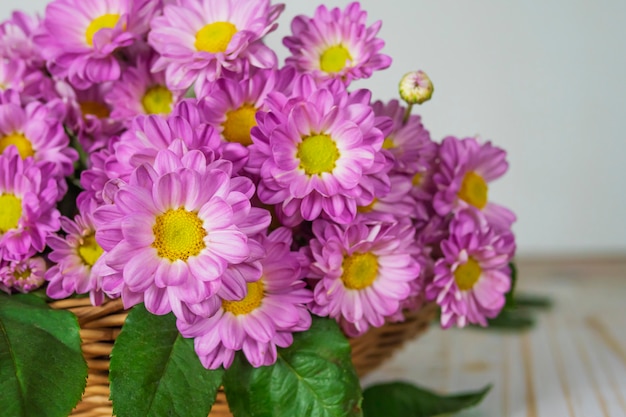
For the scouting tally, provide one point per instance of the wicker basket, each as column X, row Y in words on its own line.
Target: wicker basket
column 101, row 325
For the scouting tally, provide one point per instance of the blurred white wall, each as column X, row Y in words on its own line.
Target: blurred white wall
column 543, row 79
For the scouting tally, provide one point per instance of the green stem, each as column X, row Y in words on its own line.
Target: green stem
column 407, row 114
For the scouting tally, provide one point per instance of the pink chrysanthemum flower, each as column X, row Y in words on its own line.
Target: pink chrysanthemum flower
column 472, row 277
column 230, row 105
column 79, row 265
column 88, row 115
column 314, row 152
column 464, row 172
column 198, row 39
column 395, row 205
column 22, row 276
column 16, row 39
column 79, row 37
column 141, row 92
column 36, row 132
column 28, row 194
column 336, row 44
column 12, row 74
column 274, row 308
column 148, row 135
column 409, row 141
column 361, row 272
column 173, row 230
column 97, row 175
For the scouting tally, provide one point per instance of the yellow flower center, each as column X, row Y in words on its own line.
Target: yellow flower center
column 23, row 145
column 107, row 21
column 334, row 59
column 89, row 251
column 215, row 37
column 359, row 270
column 467, row 274
column 317, row 154
column 22, row 275
column 178, row 234
column 474, row 190
column 157, row 100
column 368, row 208
column 94, row 108
column 251, row 301
column 417, row 179
column 388, row 144
column 238, row 124
column 10, row 212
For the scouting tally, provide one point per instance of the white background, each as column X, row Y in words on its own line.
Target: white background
column 542, row 79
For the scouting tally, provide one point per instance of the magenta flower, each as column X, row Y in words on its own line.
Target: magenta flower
column 230, row 105
column 336, row 44
column 409, row 142
column 315, row 153
column 141, row 92
column 198, row 39
column 16, row 39
column 472, row 277
column 78, row 265
column 274, row 307
column 12, row 74
column 464, row 172
column 22, row 276
column 361, row 273
column 88, row 115
column 173, row 230
column 83, row 52
column 28, row 194
column 36, row 132
column 393, row 206
column 148, row 135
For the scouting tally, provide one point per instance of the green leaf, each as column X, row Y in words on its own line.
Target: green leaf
column 42, row 369
column 314, row 377
column 510, row 296
column 154, row 371
column 400, row 399
column 512, row 319
column 529, row 301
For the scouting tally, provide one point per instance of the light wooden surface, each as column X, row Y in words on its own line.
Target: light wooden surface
column 571, row 364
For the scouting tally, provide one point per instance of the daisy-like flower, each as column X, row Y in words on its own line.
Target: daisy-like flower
column 28, row 194
column 274, row 308
column 409, row 141
column 361, row 272
column 174, row 229
column 12, row 74
column 88, row 115
column 230, row 105
column 198, row 39
column 16, row 39
column 464, row 172
column 22, row 276
column 148, row 135
column 140, row 91
column 36, row 132
column 473, row 276
column 79, row 265
column 397, row 204
column 316, row 153
column 336, row 44
column 78, row 37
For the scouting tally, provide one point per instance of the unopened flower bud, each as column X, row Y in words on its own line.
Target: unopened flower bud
column 416, row 87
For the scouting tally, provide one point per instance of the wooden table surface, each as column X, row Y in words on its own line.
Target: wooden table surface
column 571, row 364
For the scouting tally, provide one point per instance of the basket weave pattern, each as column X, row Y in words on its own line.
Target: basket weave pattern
column 101, row 325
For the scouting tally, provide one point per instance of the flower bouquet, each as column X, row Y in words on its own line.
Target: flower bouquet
column 241, row 221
